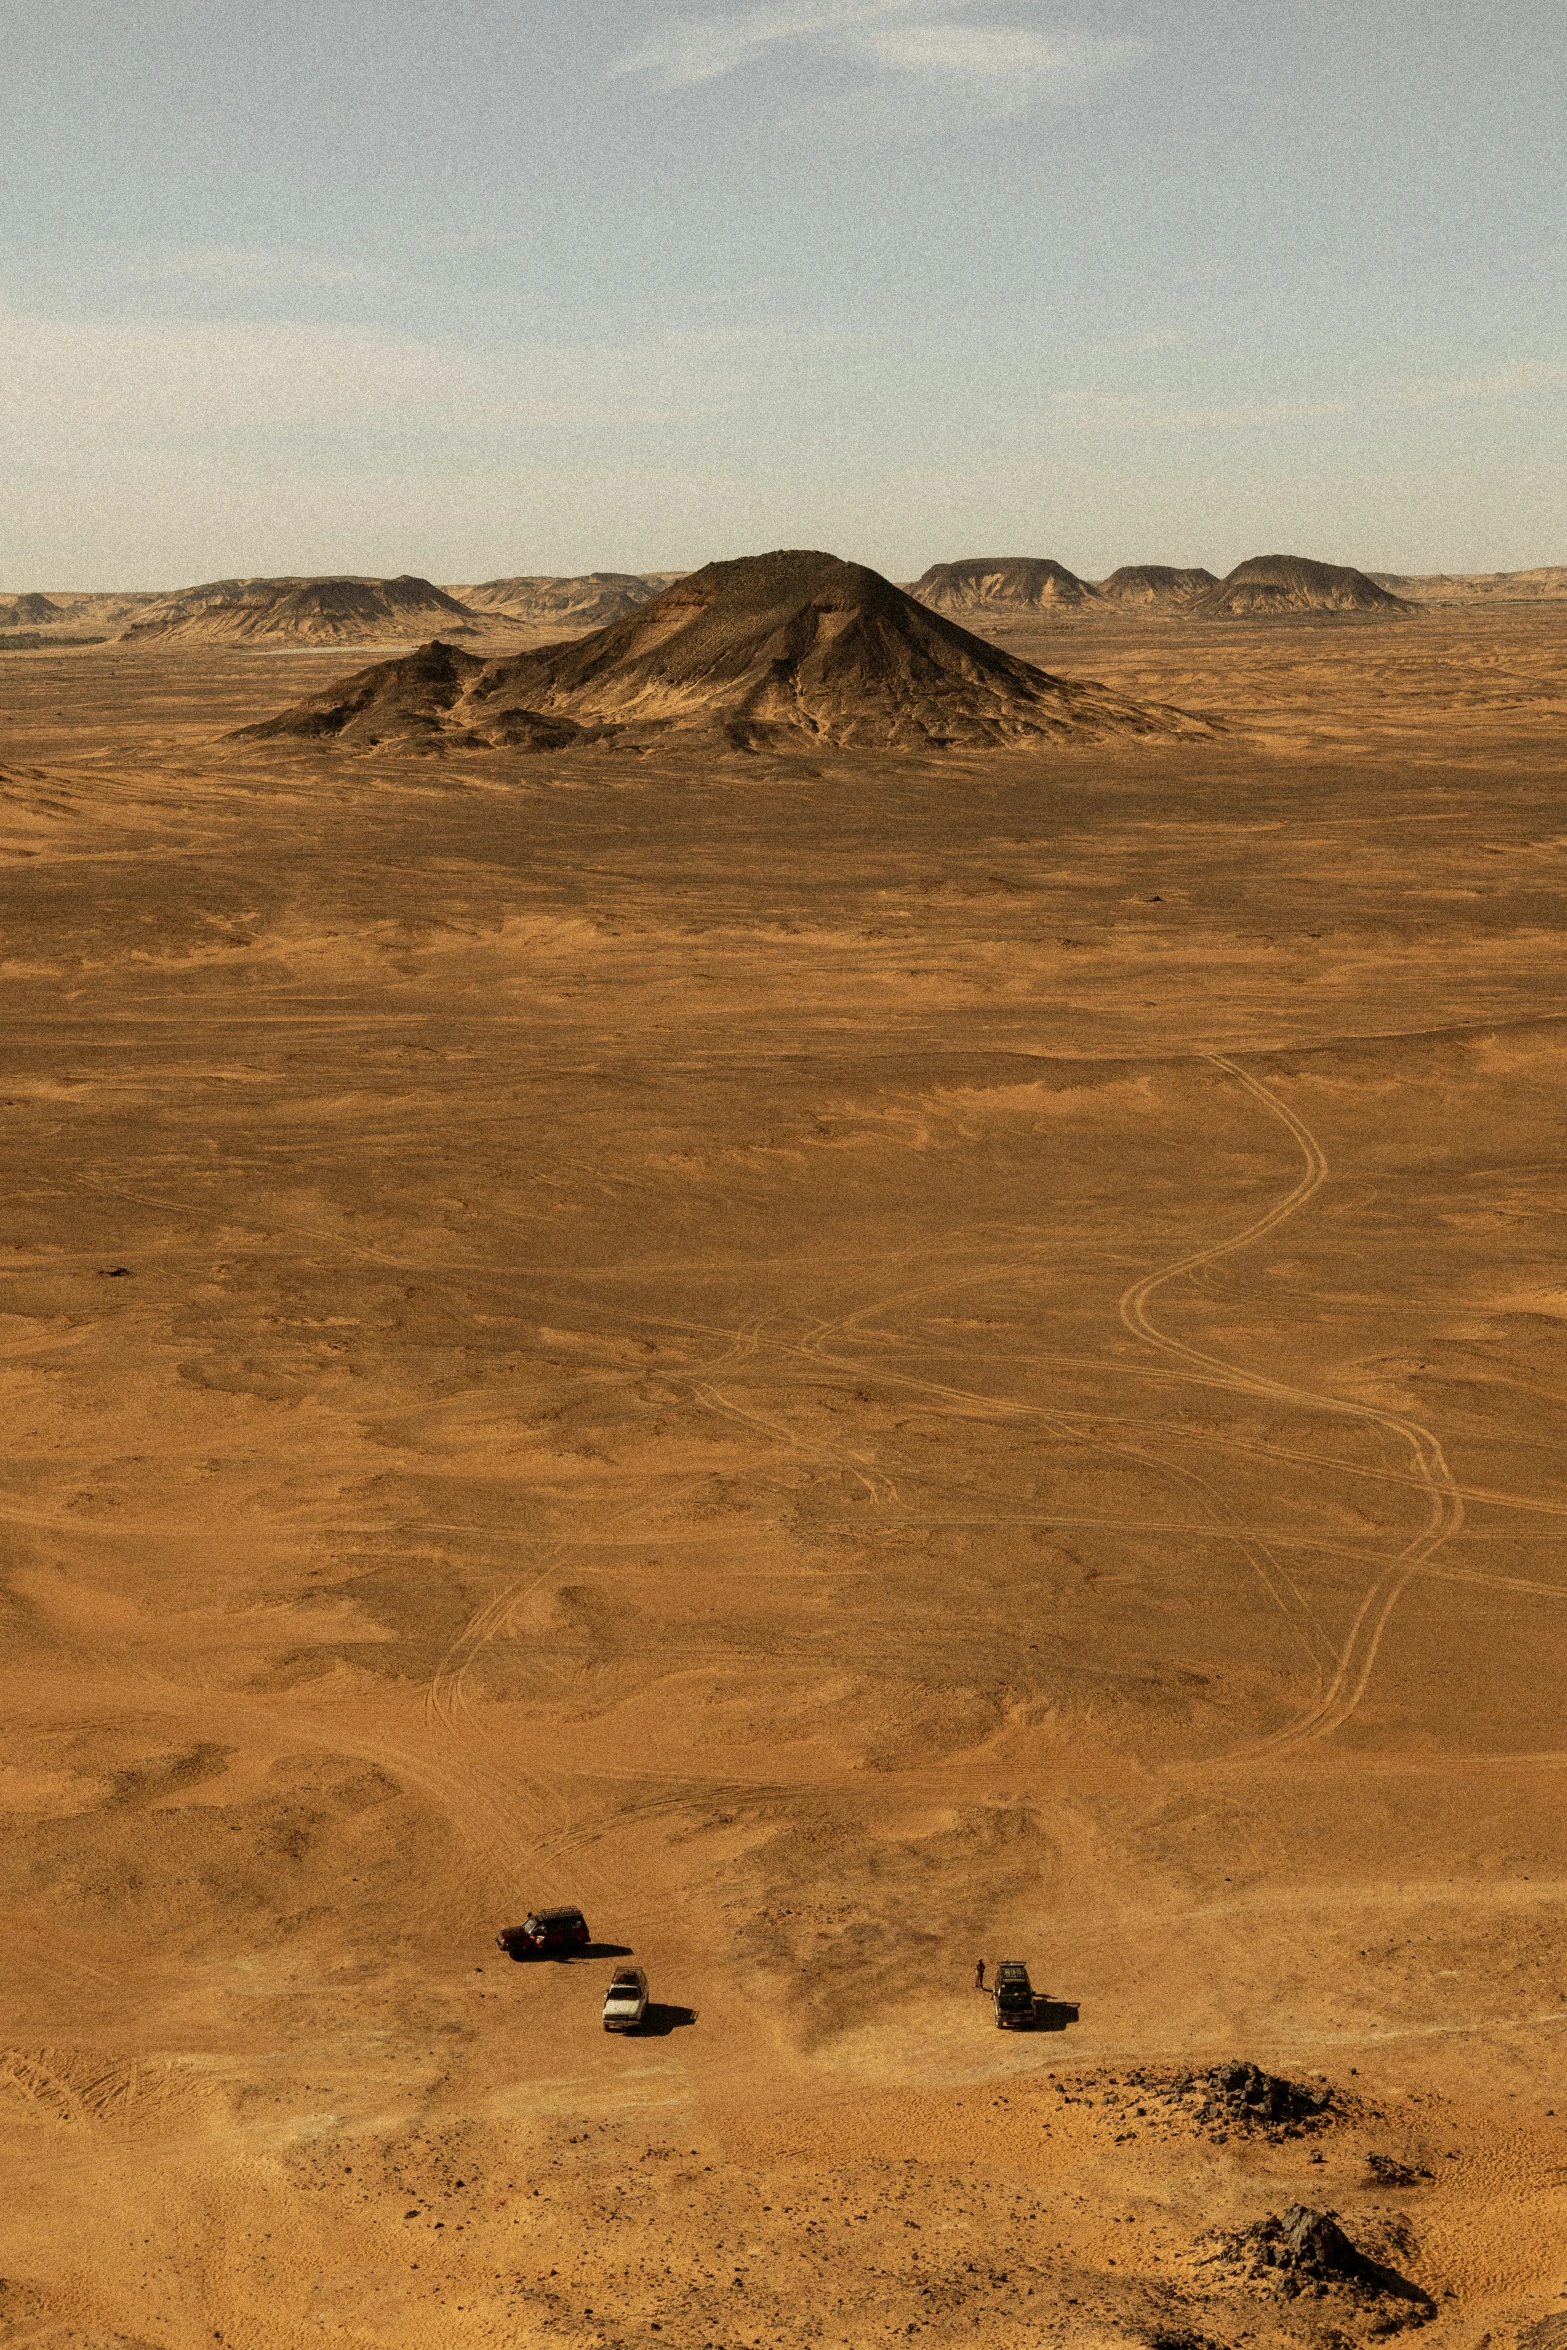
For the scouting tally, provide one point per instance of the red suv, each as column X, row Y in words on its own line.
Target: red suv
column 543, row 1931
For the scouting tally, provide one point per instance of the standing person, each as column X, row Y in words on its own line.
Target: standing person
column 979, row 1976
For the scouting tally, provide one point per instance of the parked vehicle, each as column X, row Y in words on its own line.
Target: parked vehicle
column 544, row 1932
column 1014, row 1996
column 625, row 2002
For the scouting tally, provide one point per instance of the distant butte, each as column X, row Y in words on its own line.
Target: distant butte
column 344, row 610
column 1156, row 583
column 782, row 651
column 1293, row 583
column 986, row 583
column 591, row 600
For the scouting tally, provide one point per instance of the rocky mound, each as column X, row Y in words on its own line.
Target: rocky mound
column 1307, row 2250
column 302, row 611
column 986, row 583
column 1156, row 583
column 1293, row 583
column 788, row 650
column 1243, row 2096
column 591, row 601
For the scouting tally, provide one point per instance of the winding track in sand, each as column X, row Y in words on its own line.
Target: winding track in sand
column 1358, row 1657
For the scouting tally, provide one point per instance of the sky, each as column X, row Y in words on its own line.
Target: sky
column 566, row 285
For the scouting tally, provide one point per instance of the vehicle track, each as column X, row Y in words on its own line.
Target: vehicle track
column 1082, row 1429
column 1358, row 1656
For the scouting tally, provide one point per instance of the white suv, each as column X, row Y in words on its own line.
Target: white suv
column 625, row 2002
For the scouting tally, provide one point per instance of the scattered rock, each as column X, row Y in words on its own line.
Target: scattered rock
column 1243, row 2096
column 1388, row 2171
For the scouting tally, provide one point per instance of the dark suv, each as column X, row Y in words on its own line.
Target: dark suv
column 544, row 1932
column 1014, row 1996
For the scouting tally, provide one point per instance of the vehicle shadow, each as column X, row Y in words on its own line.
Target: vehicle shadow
column 572, row 1956
column 1053, row 2015
column 661, row 2019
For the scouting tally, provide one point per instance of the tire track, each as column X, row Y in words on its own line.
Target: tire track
column 1445, row 1514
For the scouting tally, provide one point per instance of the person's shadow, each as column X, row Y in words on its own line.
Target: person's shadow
column 660, row 2019
column 1053, row 2015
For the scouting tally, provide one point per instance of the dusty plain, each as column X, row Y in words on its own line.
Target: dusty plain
column 856, row 1363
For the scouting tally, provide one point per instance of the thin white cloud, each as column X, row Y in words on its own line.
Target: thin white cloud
column 1092, row 410
column 75, row 391
column 248, row 268
column 932, row 47
column 1021, row 55
column 689, row 49
column 1518, row 380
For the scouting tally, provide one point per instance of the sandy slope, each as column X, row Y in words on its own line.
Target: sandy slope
column 855, row 1365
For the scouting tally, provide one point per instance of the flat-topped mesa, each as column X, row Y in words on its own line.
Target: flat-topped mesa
column 1137, row 584
column 782, row 651
column 1294, row 583
column 310, row 611
column 985, row 583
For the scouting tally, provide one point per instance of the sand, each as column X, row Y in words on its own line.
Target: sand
column 856, row 1363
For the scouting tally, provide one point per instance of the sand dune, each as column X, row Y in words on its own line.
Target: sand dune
column 304, row 611
column 985, row 583
column 785, row 650
column 1294, row 583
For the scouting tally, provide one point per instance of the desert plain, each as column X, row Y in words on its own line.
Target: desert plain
column 857, row 1362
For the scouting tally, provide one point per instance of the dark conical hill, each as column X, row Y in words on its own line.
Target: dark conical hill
column 1294, row 583
column 982, row 583
column 783, row 651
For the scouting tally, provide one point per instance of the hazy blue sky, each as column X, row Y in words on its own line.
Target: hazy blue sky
column 552, row 285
